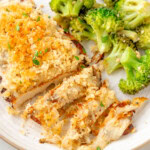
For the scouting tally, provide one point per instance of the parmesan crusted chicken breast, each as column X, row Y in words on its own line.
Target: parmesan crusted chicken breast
column 118, row 120
column 34, row 52
column 72, row 88
column 97, row 101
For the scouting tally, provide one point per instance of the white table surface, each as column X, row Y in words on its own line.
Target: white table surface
column 5, row 146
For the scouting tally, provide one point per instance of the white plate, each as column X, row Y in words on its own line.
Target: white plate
column 11, row 127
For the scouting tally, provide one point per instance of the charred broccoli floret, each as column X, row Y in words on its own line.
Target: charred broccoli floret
column 137, row 71
column 81, row 30
column 103, row 21
column 144, row 37
column 70, row 8
column 133, row 12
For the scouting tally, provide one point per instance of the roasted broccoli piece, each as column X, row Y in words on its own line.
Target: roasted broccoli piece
column 112, row 61
column 133, row 12
column 70, row 8
column 62, row 21
column 81, row 30
column 137, row 71
column 144, row 37
column 104, row 21
column 110, row 3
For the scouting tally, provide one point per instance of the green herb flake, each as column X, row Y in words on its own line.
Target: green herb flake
column 25, row 14
column 38, row 19
column 66, row 30
column 39, row 39
column 102, row 105
column 82, row 66
column 98, row 148
column 9, row 46
column 7, row 10
column 46, row 50
column 84, row 51
column 49, row 17
column 76, row 57
column 20, row 82
column 40, row 52
column 36, row 62
column 36, row 54
column 17, row 28
column 104, row 39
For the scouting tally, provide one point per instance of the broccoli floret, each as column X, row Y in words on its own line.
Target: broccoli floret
column 81, row 30
column 112, row 61
column 62, row 21
column 130, row 86
column 70, row 8
column 144, row 37
column 137, row 71
column 133, row 12
column 104, row 21
column 110, row 3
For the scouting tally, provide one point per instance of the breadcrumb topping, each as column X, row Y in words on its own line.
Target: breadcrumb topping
column 33, row 49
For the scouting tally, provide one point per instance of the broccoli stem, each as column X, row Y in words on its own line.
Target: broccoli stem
column 65, row 8
column 130, row 34
column 130, row 60
column 129, row 73
column 76, row 8
column 89, row 35
column 103, row 40
column 135, row 22
column 112, row 61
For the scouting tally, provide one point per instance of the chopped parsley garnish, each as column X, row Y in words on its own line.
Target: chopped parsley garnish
column 46, row 50
column 36, row 54
column 25, row 14
column 66, row 30
column 7, row 10
column 76, row 57
column 17, row 28
column 84, row 51
column 9, row 46
column 40, row 52
column 39, row 39
column 82, row 66
column 98, row 148
column 38, row 19
column 102, row 105
column 49, row 16
column 104, row 39
column 35, row 61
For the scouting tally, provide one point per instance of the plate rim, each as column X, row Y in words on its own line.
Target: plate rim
column 15, row 145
